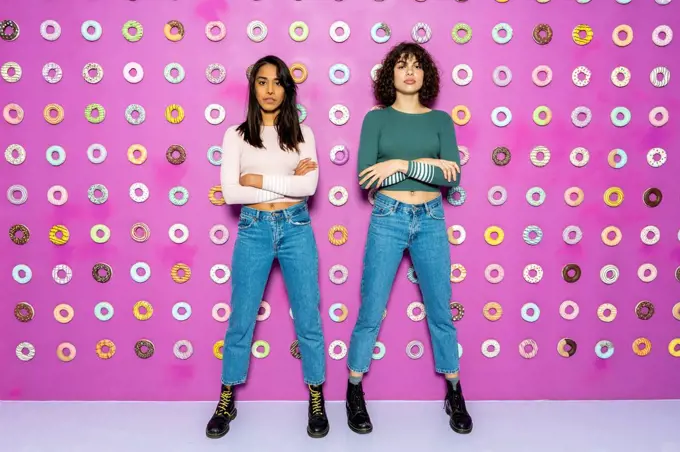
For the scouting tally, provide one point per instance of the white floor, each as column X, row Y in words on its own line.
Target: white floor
column 621, row 426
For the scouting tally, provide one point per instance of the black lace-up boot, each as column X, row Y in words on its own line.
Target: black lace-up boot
column 460, row 421
column 317, row 426
column 357, row 415
column 218, row 426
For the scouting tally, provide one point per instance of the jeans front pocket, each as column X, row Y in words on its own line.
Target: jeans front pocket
column 245, row 221
column 300, row 218
column 436, row 212
column 382, row 211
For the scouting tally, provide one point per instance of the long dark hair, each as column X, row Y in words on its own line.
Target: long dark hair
column 383, row 87
column 287, row 122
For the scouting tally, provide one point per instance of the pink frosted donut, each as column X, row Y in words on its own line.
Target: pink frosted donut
column 13, row 107
column 658, row 122
column 215, row 37
column 656, row 35
column 219, row 240
column 538, row 70
column 216, row 312
column 494, row 279
column 563, row 310
column 464, row 155
column 53, row 199
column 267, row 311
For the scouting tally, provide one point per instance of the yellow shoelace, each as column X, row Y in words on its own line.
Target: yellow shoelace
column 316, row 402
column 225, row 398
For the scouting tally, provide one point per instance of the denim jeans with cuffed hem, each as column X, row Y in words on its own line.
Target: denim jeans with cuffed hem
column 421, row 228
column 263, row 236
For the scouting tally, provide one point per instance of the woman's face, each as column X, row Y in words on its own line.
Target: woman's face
column 268, row 89
column 408, row 75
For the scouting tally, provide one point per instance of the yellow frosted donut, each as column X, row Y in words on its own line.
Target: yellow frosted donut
column 142, row 304
column 64, row 234
column 466, row 115
column 216, row 349
column 180, row 114
column 488, row 237
column 576, row 34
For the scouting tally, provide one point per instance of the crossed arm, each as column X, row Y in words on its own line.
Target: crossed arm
column 257, row 188
column 444, row 171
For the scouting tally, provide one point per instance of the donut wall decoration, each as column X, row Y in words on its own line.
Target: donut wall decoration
column 564, row 235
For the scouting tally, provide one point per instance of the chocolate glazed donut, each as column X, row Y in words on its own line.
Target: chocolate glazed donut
column 568, row 268
column 542, row 40
column 98, row 277
column 24, row 231
column 169, row 154
column 640, row 310
column 20, row 308
column 506, row 156
column 149, row 346
column 647, row 197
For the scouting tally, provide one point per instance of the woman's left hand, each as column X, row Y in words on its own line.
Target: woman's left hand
column 448, row 167
column 380, row 171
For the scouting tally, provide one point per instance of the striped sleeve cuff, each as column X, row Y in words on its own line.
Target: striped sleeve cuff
column 276, row 184
column 394, row 179
column 420, row 171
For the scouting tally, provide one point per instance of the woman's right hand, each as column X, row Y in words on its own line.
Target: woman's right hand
column 448, row 167
column 305, row 166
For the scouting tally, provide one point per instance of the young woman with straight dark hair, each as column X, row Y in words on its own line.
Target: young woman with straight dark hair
column 407, row 151
column 269, row 166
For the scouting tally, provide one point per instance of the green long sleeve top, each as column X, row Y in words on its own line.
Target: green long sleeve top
column 388, row 134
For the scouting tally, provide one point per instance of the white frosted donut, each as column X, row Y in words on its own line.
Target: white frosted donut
column 457, row 79
column 334, row 33
column 254, row 25
column 139, row 72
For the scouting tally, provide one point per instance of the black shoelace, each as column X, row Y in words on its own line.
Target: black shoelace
column 359, row 401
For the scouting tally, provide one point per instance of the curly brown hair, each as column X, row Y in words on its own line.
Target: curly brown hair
column 383, row 86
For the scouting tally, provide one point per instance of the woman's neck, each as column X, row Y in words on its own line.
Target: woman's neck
column 268, row 119
column 409, row 104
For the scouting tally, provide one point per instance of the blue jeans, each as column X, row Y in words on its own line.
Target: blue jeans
column 421, row 228
column 262, row 236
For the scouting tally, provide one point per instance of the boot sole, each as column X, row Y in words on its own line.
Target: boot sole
column 463, row 431
column 358, row 430
column 222, row 434
column 318, row 434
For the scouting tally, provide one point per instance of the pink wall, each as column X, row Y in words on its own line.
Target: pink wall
column 508, row 376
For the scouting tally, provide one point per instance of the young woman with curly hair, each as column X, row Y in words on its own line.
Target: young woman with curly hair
column 407, row 151
column 269, row 166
